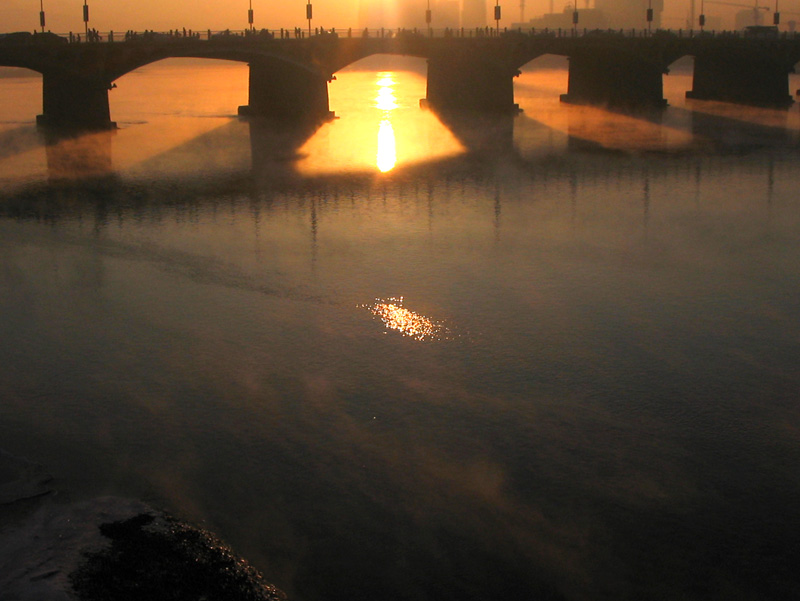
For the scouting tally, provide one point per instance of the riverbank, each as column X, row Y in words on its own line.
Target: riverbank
column 108, row 548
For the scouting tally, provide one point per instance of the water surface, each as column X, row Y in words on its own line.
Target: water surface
column 401, row 357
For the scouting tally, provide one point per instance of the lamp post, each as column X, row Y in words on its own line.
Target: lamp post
column 776, row 17
column 309, row 16
column 649, row 16
column 86, row 19
column 250, row 15
column 702, row 15
column 497, row 16
column 429, row 19
column 41, row 14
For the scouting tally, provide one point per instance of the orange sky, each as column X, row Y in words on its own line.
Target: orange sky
column 119, row 15
column 161, row 15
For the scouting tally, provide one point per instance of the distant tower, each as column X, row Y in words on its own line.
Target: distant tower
column 447, row 13
column 630, row 14
column 411, row 13
column 393, row 13
column 473, row 13
column 373, row 13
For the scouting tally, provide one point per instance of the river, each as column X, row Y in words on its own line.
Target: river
column 545, row 357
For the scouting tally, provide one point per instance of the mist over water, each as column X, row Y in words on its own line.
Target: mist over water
column 403, row 357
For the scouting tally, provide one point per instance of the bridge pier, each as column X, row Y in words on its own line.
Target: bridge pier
column 74, row 102
column 742, row 75
column 614, row 78
column 287, row 92
column 470, row 82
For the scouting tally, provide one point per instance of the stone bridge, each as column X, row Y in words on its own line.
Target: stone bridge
column 289, row 77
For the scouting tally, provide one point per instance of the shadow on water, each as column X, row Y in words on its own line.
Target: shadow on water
column 79, row 157
column 723, row 133
column 518, row 140
column 18, row 140
column 82, row 173
column 275, row 149
column 481, row 134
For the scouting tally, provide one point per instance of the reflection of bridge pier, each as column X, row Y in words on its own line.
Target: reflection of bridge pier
column 273, row 148
column 491, row 136
column 79, row 157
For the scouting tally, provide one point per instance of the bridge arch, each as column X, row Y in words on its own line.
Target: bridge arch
column 678, row 79
column 21, row 99
column 187, row 86
column 544, row 77
column 136, row 56
column 282, row 85
column 288, row 78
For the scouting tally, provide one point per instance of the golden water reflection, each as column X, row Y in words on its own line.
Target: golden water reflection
column 387, row 147
column 379, row 126
column 386, row 101
column 409, row 323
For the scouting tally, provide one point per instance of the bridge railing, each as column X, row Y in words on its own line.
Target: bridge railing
column 298, row 33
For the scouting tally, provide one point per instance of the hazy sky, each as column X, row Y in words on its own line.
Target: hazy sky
column 120, row 15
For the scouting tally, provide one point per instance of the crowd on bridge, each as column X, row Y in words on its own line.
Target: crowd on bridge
column 92, row 35
column 299, row 33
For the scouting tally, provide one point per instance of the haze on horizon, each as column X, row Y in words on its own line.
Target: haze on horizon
column 162, row 15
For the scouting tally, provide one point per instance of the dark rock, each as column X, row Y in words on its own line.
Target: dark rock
column 159, row 558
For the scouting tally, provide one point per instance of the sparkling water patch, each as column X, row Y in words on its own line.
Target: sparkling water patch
column 395, row 316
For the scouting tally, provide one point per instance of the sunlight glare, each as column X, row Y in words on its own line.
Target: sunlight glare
column 380, row 126
column 413, row 325
column 386, row 100
column 386, row 157
column 387, row 147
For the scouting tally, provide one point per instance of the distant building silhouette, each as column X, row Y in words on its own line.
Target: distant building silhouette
column 630, row 14
column 409, row 14
column 748, row 17
column 392, row 13
column 375, row 13
column 473, row 13
column 606, row 14
column 448, row 14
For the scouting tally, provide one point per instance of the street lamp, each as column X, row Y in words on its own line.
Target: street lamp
column 86, row 19
column 41, row 14
column 250, row 15
column 309, row 16
column 649, row 16
column 429, row 19
column 497, row 16
column 776, row 17
column 702, row 15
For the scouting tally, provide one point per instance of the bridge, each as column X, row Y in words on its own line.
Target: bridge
column 289, row 75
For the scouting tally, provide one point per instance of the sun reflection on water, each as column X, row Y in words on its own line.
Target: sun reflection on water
column 386, row 157
column 409, row 323
column 380, row 127
column 387, row 147
column 386, row 100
